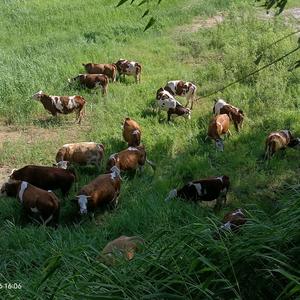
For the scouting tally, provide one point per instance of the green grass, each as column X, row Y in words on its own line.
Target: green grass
column 43, row 44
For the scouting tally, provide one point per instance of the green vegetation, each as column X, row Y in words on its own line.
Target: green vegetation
column 44, row 42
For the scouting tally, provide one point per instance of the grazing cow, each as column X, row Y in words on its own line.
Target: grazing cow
column 92, row 81
column 235, row 114
column 131, row 132
column 105, row 189
column 165, row 99
column 208, row 189
column 219, row 126
column 46, row 178
column 233, row 220
column 130, row 159
column 62, row 104
column 182, row 88
column 280, row 140
column 122, row 247
column 130, row 68
column 110, row 70
column 179, row 110
column 84, row 153
column 40, row 204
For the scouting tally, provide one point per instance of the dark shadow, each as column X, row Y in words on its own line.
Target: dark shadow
column 48, row 122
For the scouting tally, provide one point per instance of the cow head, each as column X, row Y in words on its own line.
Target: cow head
column 63, row 164
column 220, row 144
column 10, row 188
column 12, row 175
column 115, row 172
column 295, row 143
column 38, row 95
column 82, row 202
column 172, row 194
column 187, row 114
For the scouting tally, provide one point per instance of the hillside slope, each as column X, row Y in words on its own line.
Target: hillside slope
column 43, row 44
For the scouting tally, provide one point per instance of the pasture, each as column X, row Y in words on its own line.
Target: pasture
column 43, row 43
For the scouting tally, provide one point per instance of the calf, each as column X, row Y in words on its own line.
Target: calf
column 124, row 246
column 46, row 178
column 208, row 189
column 84, row 153
column 179, row 110
column 235, row 114
column 130, row 159
column 182, row 88
column 130, row 68
column 110, row 70
column 131, row 132
column 36, row 202
column 233, row 220
column 165, row 99
column 105, row 189
column 92, row 81
column 219, row 126
column 280, row 140
column 62, row 104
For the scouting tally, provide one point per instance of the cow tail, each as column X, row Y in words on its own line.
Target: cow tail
column 114, row 73
column 152, row 164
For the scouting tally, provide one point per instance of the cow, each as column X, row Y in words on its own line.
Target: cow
column 165, row 100
column 130, row 159
column 110, row 70
column 179, row 110
column 280, row 140
column 131, row 132
column 129, row 68
column 122, row 247
column 182, row 88
column 208, row 189
column 235, row 114
column 83, row 153
column 219, row 126
column 103, row 190
column 62, row 104
column 46, row 178
column 92, row 81
column 233, row 220
column 37, row 203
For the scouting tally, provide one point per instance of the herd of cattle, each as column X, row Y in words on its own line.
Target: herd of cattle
column 33, row 185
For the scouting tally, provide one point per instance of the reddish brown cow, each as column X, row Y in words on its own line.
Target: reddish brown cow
column 208, row 189
column 62, row 104
column 131, row 132
column 46, row 178
column 42, row 205
column 219, row 126
column 92, row 81
column 105, row 189
column 130, row 159
column 129, row 68
column 110, row 70
column 233, row 220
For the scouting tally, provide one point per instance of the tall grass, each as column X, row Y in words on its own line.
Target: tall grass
column 43, row 44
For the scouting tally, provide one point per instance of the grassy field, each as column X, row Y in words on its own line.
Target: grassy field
column 43, row 43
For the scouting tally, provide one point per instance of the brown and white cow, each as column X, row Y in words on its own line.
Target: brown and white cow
column 280, row 140
column 103, row 190
column 208, row 189
column 235, row 114
column 122, row 247
column 131, row 132
column 129, row 68
column 92, row 81
column 165, row 100
column 110, row 70
column 46, row 178
column 219, row 126
column 182, row 88
column 130, row 159
column 40, row 204
column 83, row 153
column 179, row 111
column 62, row 104
column 233, row 220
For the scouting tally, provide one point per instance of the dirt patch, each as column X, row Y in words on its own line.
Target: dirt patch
column 4, row 173
column 200, row 22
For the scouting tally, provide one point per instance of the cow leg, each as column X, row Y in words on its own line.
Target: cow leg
column 228, row 133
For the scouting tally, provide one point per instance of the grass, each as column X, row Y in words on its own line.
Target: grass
column 43, row 45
